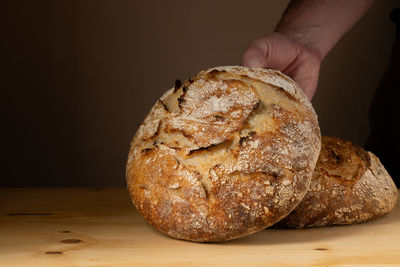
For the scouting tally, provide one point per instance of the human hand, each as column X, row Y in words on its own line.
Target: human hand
column 289, row 54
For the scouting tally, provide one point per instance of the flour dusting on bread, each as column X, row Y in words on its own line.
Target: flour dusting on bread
column 349, row 185
column 225, row 154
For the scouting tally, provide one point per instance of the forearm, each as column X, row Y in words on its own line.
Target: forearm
column 320, row 24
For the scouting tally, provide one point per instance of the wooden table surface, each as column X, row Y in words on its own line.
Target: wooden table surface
column 101, row 227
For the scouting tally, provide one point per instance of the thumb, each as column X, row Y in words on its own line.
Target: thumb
column 274, row 51
column 253, row 56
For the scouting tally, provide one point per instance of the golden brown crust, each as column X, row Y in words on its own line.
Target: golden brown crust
column 228, row 153
column 349, row 185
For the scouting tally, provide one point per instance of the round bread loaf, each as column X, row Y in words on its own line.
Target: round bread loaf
column 227, row 153
column 349, row 185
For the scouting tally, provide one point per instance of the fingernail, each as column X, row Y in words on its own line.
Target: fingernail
column 255, row 63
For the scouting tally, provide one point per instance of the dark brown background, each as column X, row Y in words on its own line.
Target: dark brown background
column 78, row 76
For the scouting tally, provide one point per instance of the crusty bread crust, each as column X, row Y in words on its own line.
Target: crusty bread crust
column 349, row 185
column 223, row 155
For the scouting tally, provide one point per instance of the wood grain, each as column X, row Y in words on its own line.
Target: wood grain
column 100, row 227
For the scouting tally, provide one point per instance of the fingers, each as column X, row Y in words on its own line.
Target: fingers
column 309, row 87
column 306, row 75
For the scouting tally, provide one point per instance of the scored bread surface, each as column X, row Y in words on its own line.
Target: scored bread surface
column 227, row 153
column 349, row 185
